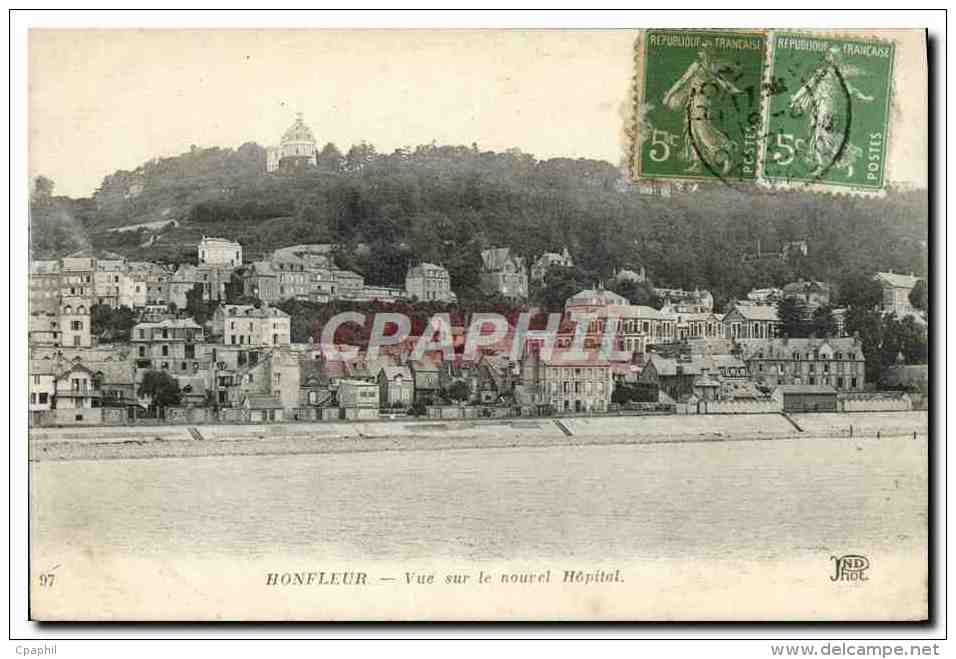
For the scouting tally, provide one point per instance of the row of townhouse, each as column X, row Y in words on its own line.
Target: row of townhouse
column 291, row 382
column 308, row 272
column 750, row 368
column 266, row 382
column 112, row 280
column 640, row 327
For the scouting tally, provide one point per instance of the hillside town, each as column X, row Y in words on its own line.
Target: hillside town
column 209, row 341
column 241, row 365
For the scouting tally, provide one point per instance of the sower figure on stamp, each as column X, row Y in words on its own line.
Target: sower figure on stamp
column 695, row 93
column 817, row 97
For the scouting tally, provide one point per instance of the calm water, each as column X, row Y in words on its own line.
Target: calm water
column 749, row 500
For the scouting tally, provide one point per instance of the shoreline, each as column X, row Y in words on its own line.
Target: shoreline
column 375, row 437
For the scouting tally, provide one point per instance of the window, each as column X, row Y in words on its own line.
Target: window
column 853, row 383
column 44, row 397
column 184, row 366
column 33, row 399
column 142, row 351
column 276, row 377
column 165, row 351
column 36, row 379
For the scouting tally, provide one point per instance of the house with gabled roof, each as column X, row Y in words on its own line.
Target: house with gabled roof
column 505, row 273
column 836, row 362
column 397, row 386
column 751, row 321
column 896, row 292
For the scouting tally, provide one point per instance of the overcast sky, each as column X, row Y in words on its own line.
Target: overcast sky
column 107, row 100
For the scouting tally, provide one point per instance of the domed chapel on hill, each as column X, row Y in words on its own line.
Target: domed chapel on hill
column 296, row 151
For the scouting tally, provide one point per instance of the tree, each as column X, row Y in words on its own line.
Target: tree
column 822, row 322
column 902, row 336
column 793, row 318
column 458, row 391
column 919, row 296
column 42, row 189
column 330, row 158
column 162, row 388
column 198, row 309
column 868, row 325
column 636, row 292
column 857, row 290
column 559, row 284
column 111, row 324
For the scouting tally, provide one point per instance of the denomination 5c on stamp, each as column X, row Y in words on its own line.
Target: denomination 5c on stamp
column 699, row 104
column 828, row 111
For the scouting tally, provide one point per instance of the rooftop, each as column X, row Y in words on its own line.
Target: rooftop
column 597, row 297
column 756, row 312
column 250, row 311
column 170, row 323
column 806, row 389
column 496, row 258
column 262, row 403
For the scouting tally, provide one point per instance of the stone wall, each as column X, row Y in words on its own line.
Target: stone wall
column 115, row 416
column 877, row 402
column 744, row 406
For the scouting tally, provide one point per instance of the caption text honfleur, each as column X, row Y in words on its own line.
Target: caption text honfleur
column 447, row 578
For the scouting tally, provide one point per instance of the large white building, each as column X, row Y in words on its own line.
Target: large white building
column 896, row 292
column 428, row 282
column 247, row 325
column 219, row 251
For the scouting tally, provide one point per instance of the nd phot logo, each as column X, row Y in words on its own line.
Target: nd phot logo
column 850, row 567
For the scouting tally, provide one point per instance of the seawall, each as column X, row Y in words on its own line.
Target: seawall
column 103, row 443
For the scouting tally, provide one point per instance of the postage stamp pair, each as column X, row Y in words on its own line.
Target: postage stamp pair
column 781, row 109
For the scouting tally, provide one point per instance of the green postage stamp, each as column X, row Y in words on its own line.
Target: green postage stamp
column 778, row 108
column 828, row 114
column 699, row 104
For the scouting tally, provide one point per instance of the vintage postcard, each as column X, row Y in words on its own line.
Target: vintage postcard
column 478, row 325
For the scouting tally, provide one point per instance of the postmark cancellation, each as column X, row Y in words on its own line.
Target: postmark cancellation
column 780, row 109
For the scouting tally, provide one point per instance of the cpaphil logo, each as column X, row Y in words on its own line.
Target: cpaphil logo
column 850, row 567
